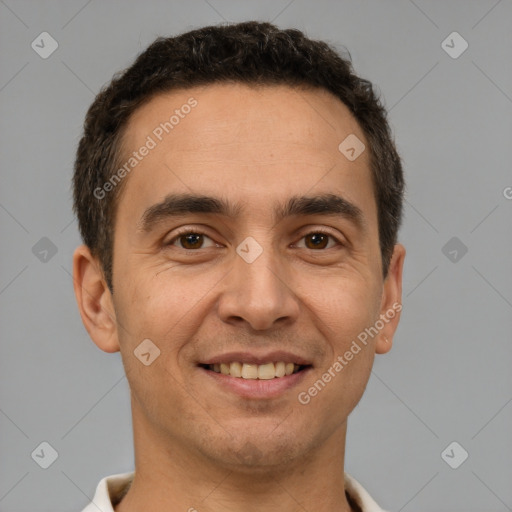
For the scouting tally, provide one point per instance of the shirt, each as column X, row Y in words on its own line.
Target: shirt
column 112, row 489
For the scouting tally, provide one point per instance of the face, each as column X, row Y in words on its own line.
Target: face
column 245, row 237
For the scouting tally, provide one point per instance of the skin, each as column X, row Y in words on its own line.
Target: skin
column 197, row 445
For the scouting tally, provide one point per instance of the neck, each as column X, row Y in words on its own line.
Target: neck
column 170, row 477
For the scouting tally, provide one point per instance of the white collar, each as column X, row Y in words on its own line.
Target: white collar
column 111, row 488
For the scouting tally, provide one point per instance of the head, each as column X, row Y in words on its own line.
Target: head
column 248, row 53
column 221, row 217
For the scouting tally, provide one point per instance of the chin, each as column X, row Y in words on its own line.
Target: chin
column 257, row 453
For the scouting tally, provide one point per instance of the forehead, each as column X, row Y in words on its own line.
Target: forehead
column 252, row 142
column 242, row 113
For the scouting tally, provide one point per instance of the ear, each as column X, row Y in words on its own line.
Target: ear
column 94, row 300
column 391, row 304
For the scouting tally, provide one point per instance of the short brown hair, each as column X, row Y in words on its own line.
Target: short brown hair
column 249, row 53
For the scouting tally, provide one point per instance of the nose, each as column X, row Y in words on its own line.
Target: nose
column 259, row 294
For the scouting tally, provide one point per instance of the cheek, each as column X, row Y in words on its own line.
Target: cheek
column 157, row 299
column 342, row 306
column 160, row 314
column 343, row 310
column 340, row 382
column 167, row 309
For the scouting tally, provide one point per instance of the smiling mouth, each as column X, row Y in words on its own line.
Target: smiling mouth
column 265, row 371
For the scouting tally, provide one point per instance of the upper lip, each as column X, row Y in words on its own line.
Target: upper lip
column 254, row 358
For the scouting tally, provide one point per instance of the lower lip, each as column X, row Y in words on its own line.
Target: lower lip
column 257, row 388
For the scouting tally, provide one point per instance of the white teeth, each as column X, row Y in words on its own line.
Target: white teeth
column 265, row 371
column 280, row 369
column 235, row 370
column 250, row 371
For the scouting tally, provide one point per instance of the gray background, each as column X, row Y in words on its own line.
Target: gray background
column 448, row 376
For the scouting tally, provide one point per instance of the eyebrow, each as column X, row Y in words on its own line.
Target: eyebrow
column 176, row 205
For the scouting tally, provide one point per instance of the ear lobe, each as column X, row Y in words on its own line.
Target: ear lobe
column 94, row 300
column 383, row 345
column 391, row 304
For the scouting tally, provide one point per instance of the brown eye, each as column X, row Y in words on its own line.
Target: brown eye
column 316, row 240
column 191, row 240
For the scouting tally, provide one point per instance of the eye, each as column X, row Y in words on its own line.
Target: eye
column 194, row 240
column 191, row 240
column 319, row 240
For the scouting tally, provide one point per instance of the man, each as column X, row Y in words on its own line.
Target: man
column 239, row 196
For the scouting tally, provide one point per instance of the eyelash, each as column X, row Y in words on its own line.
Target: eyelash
column 188, row 231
